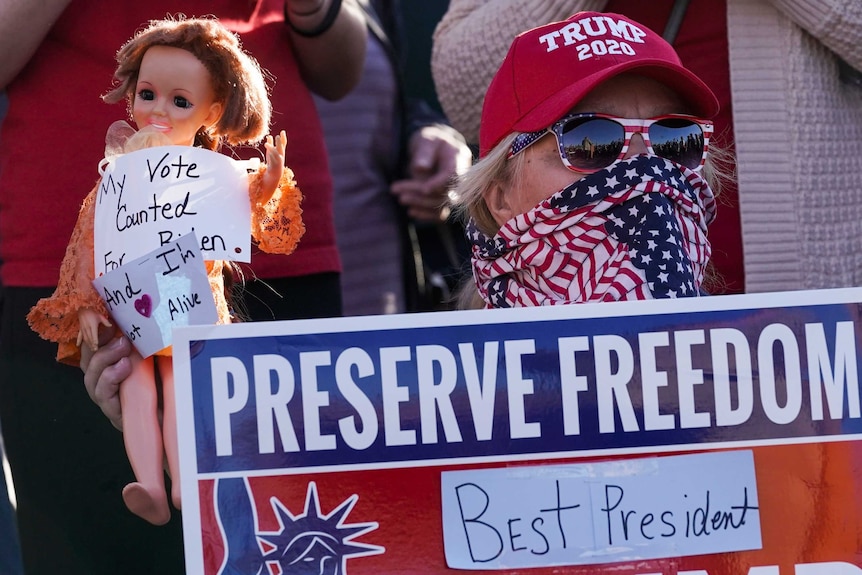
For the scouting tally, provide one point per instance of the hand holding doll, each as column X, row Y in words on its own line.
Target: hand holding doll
column 104, row 371
column 187, row 83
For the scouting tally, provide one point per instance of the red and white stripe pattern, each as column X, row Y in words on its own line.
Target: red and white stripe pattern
column 635, row 230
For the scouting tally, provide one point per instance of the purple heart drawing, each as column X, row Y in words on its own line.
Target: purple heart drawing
column 144, row 305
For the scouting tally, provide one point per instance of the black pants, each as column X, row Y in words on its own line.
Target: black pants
column 10, row 550
column 68, row 462
column 306, row 297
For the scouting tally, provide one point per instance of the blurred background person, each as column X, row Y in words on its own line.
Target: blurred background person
column 67, row 461
column 393, row 158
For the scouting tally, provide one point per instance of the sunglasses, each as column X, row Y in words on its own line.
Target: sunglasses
column 591, row 142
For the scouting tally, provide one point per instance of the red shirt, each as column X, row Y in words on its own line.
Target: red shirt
column 54, row 133
column 702, row 46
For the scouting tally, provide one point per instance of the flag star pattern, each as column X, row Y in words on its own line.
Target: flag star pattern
column 636, row 230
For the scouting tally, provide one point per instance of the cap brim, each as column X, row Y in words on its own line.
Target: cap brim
column 690, row 88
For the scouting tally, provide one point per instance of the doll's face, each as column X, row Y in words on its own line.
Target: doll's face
column 174, row 95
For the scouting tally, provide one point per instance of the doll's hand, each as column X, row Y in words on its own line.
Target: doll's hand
column 104, row 370
column 274, row 163
column 89, row 322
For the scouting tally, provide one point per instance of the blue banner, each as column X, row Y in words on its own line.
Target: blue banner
column 544, row 382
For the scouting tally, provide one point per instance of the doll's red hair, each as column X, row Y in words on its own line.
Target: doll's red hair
column 238, row 80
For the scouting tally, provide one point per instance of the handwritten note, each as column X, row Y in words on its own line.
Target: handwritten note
column 152, row 197
column 580, row 514
column 151, row 295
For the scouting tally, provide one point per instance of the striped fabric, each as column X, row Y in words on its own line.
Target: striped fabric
column 635, row 230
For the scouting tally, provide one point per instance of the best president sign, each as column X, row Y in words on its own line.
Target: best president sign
column 709, row 436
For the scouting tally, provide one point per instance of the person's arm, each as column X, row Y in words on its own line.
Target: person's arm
column 23, row 26
column 470, row 43
column 437, row 155
column 330, row 62
column 837, row 24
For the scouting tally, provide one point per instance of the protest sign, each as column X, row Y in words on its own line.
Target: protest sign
column 151, row 295
column 705, row 436
column 153, row 196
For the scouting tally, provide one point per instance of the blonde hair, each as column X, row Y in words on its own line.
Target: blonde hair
column 493, row 169
column 237, row 79
column 145, row 139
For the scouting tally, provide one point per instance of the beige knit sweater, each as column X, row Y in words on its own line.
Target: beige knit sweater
column 798, row 128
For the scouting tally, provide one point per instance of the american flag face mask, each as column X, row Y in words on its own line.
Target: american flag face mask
column 635, row 230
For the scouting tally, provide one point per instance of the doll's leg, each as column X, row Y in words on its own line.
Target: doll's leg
column 143, row 438
column 169, row 425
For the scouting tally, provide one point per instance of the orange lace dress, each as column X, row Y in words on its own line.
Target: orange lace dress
column 276, row 227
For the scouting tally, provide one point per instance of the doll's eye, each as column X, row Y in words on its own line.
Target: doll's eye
column 146, row 94
column 181, row 102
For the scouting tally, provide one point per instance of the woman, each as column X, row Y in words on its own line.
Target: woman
column 587, row 123
column 569, row 206
column 782, row 71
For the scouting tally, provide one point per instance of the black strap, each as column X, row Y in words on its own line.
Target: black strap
column 325, row 24
column 674, row 20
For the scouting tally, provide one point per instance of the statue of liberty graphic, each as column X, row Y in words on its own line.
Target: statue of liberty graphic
column 306, row 544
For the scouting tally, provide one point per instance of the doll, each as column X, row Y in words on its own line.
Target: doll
column 187, row 82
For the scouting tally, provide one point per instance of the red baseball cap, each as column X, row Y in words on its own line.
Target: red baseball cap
column 551, row 68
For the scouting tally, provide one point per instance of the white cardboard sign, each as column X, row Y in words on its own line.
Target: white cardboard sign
column 576, row 514
column 529, row 439
column 151, row 295
column 151, row 197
